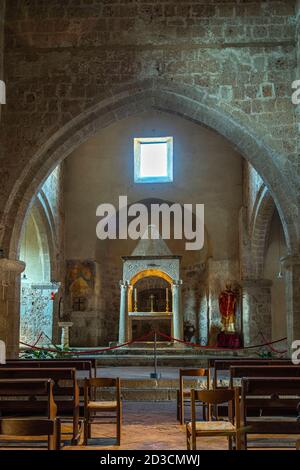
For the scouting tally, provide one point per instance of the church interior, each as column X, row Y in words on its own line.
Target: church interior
column 113, row 109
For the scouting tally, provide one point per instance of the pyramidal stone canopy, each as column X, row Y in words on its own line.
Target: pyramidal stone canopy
column 151, row 244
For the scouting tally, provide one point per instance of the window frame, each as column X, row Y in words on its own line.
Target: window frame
column 138, row 142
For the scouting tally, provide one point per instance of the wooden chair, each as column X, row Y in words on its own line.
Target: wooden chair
column 92, row 407
column 184, row 394
column 230, row 428
column 32, row 428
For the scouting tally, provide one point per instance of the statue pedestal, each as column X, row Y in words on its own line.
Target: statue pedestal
column 65, row 339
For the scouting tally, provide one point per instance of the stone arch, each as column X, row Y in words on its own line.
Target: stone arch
column 185, row 101
column 260, row 229
column 45, row 219
column 149, row 273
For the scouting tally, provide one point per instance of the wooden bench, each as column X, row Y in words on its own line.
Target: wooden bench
column 17, row 397
column 224, row 365
column 65, row 391
column 271, row 393
column 239, row 372
column 16, row 428
column 84, row 365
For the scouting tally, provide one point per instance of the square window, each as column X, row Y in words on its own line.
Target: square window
column 153, row 160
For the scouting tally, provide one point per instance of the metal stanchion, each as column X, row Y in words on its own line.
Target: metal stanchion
column 155, row 374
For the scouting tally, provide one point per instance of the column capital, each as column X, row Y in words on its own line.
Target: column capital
column 124, row 284
column 177, row 283
column 11, row 266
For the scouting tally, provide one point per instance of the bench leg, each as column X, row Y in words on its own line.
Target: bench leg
column 188, row 437
column 177, row 406
column 119, row 425
column 86, row 427
column 194, row 442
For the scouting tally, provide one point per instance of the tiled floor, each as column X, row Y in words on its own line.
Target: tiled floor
column 153, row 426
column 148, row 425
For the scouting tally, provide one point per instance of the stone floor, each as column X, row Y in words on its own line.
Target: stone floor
column 153, row 426
column 137, row 372
column 147, row 426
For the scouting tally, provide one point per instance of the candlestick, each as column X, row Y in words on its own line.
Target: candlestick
column 167, row 300
column 135, row 299
column 152, row 302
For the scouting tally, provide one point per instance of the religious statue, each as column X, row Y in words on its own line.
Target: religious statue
column 227, row 306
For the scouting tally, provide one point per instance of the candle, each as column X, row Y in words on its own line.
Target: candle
column 167, row 294
column 135, row 295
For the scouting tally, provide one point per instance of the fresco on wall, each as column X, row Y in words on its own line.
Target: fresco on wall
column 80, row 280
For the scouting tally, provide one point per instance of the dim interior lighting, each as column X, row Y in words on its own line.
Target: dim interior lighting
column 2, row 92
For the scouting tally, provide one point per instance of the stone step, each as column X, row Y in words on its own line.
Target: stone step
column 148, row 389
column 148, row 361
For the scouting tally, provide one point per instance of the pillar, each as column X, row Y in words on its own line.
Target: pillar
column 177, row 311
column 291, row 265
column 123, row 318
column 257, row 314
column 65, row 337
column 10, row 271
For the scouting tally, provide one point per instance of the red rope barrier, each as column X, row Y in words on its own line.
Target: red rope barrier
column 169, row 338
column 271, row 347
column 195, row 345
column 93, row 351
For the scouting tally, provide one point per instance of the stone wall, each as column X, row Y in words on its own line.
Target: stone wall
column 207, row 170
column 74, row 67
column 61, row 58
column 2, row 14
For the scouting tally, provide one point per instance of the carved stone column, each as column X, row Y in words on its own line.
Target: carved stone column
column 65, row 337
column 257, row 314
column 123, row 319
column 10, row 271
column 177, row 311
column 291, row 265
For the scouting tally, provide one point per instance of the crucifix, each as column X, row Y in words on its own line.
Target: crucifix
column 79, row 304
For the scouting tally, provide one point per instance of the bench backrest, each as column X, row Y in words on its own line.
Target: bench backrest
column 222, row 365
column 18, row 395
column 65, row 380
column 262, row 371
column 275, row 396
column 84, row 364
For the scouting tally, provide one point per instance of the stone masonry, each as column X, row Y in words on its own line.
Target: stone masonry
column 75, row 66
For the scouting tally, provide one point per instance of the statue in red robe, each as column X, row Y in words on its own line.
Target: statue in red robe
column 227, row 306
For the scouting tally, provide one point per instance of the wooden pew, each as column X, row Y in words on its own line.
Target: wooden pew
column 17, row 396
column 84, row 365
column 239, row 372
column 17, row 428
column 224, row 365
column 271, row 393
column 66, row 393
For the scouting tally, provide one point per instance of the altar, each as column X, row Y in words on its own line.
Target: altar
column 150, row 291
